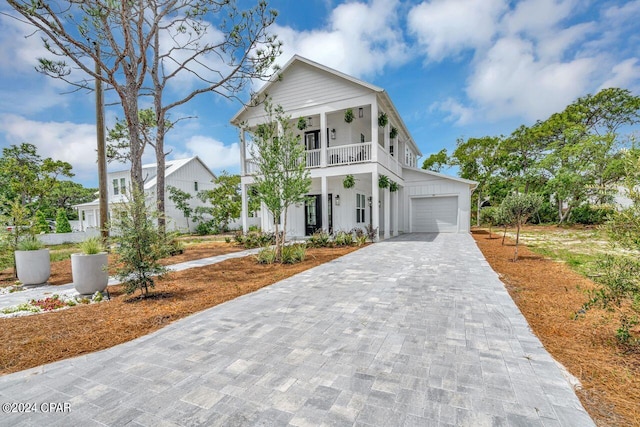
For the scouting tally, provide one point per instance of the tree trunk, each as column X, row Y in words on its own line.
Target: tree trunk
column 479, row 204
column 515, row 256
column 160, row 131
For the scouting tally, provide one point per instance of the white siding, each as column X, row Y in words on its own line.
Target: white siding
column 303, row 86
column 184, row 179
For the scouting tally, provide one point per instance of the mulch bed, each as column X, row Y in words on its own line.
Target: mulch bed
column 61, row 270
column 547, row 294
column 35, row 340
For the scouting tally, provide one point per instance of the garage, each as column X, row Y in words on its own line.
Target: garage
column 434, row 214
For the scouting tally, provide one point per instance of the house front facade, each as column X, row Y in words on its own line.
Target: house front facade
column 351, row 128
column 189, row 175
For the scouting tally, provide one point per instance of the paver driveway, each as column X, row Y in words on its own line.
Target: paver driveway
column 417, row 330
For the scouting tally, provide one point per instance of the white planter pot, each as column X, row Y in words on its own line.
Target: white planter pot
column 33, row 267
column 89, row 272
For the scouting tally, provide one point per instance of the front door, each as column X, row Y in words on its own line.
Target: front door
column 313, row 214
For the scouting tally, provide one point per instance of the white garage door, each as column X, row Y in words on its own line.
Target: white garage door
column 434, row 215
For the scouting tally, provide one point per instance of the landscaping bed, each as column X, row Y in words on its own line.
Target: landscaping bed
column 61, row 270
column 547, row 294
column 35, row 340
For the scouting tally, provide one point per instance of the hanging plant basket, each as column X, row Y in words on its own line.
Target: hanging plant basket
column 348, row 115
column 382, row 120
column 302, row 123
column 349, row 181
column 393, row 186
column 393, row 133
column 383, row 181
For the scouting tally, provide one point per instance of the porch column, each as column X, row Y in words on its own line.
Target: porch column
column 374, row 132
column 324, row 203
column 396, row 198
column 387, row 140
column 387, row 212
column 243, row 154
column 323, row 140
column 264, row 218
column 80, row 215
column 96, row 216
column 375, row 199
column 245, row 207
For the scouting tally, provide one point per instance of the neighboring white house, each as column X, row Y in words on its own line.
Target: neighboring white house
column 425, row 201
column 190, row 175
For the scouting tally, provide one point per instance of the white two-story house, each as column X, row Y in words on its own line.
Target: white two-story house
column 336, row 148
column 190, row 175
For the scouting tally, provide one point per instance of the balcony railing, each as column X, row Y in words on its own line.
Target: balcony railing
column 338, row 155
column 348, row 154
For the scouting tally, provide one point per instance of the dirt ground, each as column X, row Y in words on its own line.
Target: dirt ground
column 547, row 294
column 43, row 338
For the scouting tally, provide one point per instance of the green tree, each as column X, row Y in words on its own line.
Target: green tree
column 437, row 161
column 225, row 200
column 139, row 244
column 62, row 222
column 40, row 225
column 491, row 216
column 66, row 194
column 14, row 213
column 150, row 49
column 282, row 178
column 181, row 200
column 479, row 159
column 27, row 177
column 520, row 207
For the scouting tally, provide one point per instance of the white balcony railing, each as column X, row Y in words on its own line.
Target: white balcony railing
column 389, row 162
column 313, row 158
column 347, row 154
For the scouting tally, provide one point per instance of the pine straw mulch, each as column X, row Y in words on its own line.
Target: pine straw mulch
column 546, row 293
column 61, row 270
column 35, row 340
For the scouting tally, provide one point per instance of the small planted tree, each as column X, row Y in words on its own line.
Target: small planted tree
column 619, row 278
column 139, row 244
column 282, row 179
column 225, row 199
column 62, row 222
column 491, row 216
column 181, row 200
column 520, row 207
column 40, row 225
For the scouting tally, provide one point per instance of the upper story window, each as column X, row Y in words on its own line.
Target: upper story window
column 116, row 188
column 409, row 157
column 123, row 186
column 195, row 186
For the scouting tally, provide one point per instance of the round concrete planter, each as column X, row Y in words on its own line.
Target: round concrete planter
column 89, row 272
column 33, row 267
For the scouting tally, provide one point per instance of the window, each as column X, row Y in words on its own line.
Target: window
column 195, row 186
column 361, row 202
column 116, row 189
column 123, row 186
column 391, row 150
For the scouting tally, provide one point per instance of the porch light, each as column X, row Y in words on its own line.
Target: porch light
column 360, row 112
column 370, row 200
column 309, row 121
column 333, row 134
column 337, row 200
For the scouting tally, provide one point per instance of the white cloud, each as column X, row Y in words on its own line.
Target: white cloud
column 536, row 16
column 215, row 154
column 70, row 142
column 447, row 27
column 456, row 112
column 626, row 74
column 509, row 81
column 360, row 39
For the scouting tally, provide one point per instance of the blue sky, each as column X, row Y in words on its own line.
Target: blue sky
column 454, row 69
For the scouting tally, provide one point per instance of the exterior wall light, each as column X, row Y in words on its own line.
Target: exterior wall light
column 370, row 200
column 337, row 200
column 360, row 112
column 333, row 134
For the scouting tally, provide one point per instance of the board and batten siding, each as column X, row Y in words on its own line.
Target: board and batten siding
column 303, row 86
column 421, row 184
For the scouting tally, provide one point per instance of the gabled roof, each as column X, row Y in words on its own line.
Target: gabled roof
column 384, row 97
column 469, row 182
column 171, row 166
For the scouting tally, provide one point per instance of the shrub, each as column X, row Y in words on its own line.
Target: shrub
column 62, row 222
column 254, row 228
column 343, row 239
column 319, row 239
column 171, row 245
column 206, row 228
column 590, row 215
column 266, row 256
column 41, row 225
column 360, row 236
column 372, row 233
column 227, row 239
column 295, row 253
